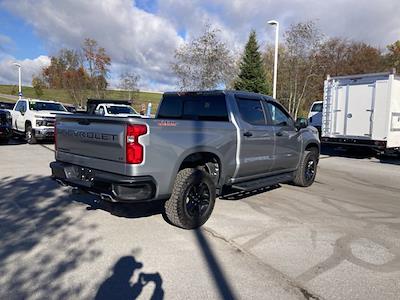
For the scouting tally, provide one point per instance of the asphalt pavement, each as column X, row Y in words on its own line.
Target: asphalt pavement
column 338, row 239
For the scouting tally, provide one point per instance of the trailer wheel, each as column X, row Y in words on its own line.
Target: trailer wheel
column 192, row 200
column 29, row 135
column 305, row 174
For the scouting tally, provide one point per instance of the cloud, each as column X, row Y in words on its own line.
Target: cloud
column 375, row 22
column 30, row 67
column 134, row 38
column 144, row 40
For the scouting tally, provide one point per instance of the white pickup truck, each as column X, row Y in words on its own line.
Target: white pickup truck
column 35, row 118
column 116, row 110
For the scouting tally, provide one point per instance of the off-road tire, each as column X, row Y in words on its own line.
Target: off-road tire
column 29, row 136
column 300, row 178
column 175, row 206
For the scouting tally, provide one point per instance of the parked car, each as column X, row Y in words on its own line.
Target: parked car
column 6, row 105
column 5, row 126
column 35, row 118
column 315, row 115
column 200, row 145
column 362, row 111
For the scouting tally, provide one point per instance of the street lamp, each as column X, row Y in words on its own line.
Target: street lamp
column 275, row 23
column 19, row 80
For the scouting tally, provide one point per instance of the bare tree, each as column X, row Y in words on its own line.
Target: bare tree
column 298, row 69
column 203, row 63
column 129, row 82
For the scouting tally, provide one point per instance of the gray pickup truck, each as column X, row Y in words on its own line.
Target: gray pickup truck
column 201, row 145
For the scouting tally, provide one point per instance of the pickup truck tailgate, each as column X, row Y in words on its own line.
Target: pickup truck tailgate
column 91, row 137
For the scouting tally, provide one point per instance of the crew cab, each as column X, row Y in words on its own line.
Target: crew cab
column 35, row 118
column 200, row 145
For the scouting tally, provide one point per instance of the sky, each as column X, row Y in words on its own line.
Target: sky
column 141, row 36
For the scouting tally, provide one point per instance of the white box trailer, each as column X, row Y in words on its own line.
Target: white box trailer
column 362, row 110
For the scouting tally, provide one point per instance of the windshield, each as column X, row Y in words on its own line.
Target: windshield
column 317, row 107
column 116, row 110
column 37, row 105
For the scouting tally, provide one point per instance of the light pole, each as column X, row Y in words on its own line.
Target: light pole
column 276, row 24
column 19, row 80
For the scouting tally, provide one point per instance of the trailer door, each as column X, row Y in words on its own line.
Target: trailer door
column 339, row 110
column 359, row 110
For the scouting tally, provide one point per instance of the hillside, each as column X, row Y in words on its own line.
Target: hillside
column 63, row 96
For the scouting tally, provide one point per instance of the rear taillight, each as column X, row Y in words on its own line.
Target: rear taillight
column 134, row 150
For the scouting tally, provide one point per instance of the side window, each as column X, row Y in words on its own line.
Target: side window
column 21, row 106
column 18, row 106
column 278, row 116
column 317, row 107
column 24, row 106
column 251, row 111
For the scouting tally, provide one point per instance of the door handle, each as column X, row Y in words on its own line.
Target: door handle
column 248, row 134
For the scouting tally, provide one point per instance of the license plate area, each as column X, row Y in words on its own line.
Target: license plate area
column 80, row 175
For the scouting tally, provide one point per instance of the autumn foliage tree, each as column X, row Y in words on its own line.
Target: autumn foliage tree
column 97, row 62
column 392, row 59
column 306, row 57
column 81, row 72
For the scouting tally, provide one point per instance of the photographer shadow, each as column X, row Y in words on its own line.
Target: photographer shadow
column 118, row 285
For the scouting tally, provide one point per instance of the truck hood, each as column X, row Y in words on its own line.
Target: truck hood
column 50, row 113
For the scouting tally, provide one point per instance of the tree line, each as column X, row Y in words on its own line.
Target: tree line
column 82, row 72
column 306, row 57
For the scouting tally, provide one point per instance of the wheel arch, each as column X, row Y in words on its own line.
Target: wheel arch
column 203, row 157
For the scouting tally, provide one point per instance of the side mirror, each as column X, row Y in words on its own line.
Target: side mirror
column 301, row 123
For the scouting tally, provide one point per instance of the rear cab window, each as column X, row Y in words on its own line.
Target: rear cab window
column 194, row 106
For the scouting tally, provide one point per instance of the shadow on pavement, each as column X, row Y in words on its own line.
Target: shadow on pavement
column 360, row 153
column 124, row 210
column 221, row 283
column 41, row 243
column 118, row 285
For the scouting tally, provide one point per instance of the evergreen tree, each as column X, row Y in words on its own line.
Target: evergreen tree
column 252, row 76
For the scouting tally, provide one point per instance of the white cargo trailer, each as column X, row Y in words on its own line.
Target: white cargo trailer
column 362, row 110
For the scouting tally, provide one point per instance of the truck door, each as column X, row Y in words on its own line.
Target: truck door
column 359, row 110
column 287, row 138
column 256, row 138
column 18, row 115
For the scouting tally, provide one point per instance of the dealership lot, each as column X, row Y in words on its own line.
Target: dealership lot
column 338, row 239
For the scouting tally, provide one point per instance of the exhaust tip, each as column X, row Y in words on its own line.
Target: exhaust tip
column 106, row 197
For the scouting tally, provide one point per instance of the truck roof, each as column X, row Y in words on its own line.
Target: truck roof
column 39, row 100
column 218, row 92
column 375, row 76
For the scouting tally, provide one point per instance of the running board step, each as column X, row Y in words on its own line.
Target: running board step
column 263, row 182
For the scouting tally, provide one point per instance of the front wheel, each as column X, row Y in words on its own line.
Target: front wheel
column 305, row 174
column 30, row 136
column 192, row 200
